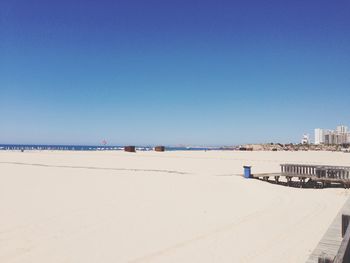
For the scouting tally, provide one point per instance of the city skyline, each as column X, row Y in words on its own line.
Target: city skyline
column 339, row 135
column 169, row 73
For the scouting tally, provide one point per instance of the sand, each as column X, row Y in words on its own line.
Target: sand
column 159, row 207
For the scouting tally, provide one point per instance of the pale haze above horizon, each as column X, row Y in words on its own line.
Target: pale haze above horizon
column 172, row 72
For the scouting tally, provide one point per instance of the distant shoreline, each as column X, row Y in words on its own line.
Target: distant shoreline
column 53, row 147
column 246, row 147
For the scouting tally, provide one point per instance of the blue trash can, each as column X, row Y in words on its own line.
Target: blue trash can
column 247, row 172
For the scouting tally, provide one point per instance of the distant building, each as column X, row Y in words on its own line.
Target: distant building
column 342, row 129
column 305, row 139
column 330, row 138
column 340, row 135
column 319, row 136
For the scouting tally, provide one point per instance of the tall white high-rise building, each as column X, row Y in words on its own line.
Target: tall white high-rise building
column 342, row 129
column 319, row 136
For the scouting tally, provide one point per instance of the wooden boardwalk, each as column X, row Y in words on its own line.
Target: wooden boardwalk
column 331, row 240
column 311, row 175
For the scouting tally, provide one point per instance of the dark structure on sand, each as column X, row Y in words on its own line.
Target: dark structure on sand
column 130, row 149
column 159, row 148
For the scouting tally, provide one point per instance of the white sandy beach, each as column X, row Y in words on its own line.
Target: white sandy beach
column 159, row 207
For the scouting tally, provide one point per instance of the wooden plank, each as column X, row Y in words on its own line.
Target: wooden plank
column 344, row 224
column 332, row 239
column 265, row 174
column 343, row 254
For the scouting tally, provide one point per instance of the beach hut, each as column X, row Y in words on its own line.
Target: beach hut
column 129, row 149
column 159, row 148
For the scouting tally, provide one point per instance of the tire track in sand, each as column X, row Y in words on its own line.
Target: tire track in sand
column 96, row 168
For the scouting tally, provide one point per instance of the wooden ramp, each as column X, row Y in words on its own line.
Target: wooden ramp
column 331, row 240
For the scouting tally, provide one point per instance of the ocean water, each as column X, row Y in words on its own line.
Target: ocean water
column 49, row 147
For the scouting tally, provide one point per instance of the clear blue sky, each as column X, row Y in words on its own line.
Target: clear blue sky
column 172, row 72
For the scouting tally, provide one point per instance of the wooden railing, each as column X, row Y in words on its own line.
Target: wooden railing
column 343, row 255
column 317, row 171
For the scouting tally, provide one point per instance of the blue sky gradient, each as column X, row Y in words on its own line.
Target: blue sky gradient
column 172, row 72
